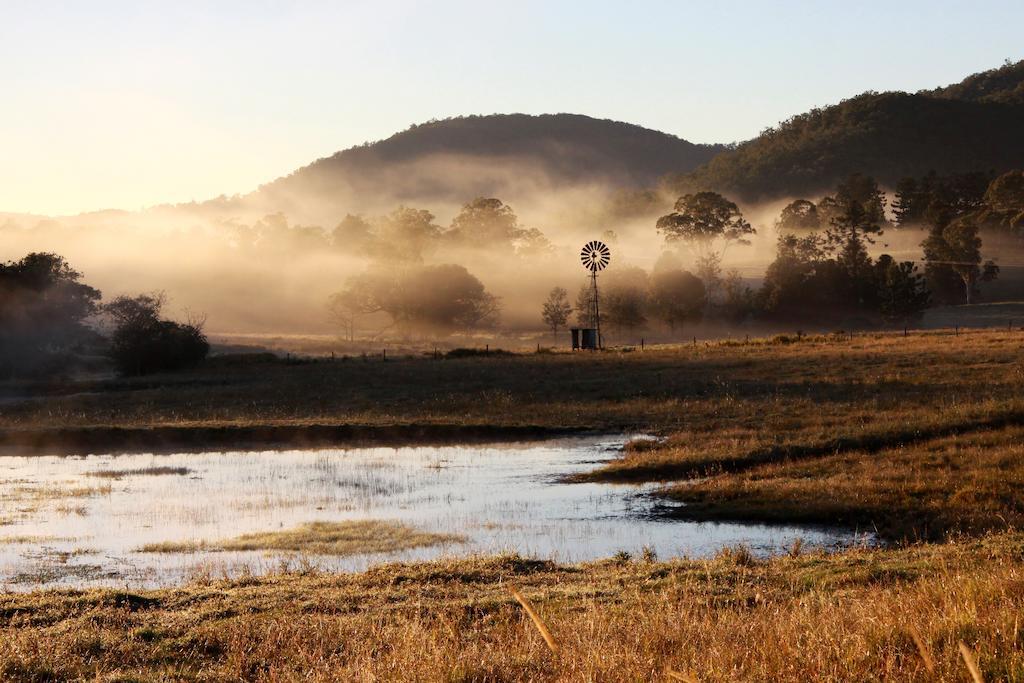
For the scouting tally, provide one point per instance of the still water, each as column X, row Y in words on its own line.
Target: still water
column 63, row 523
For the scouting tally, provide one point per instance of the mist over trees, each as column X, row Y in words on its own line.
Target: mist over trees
column 438, row 298
column 828, row 274
column 676, row 297
column 707, row 222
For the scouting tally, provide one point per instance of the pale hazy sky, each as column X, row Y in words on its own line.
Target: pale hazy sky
column 129, row 104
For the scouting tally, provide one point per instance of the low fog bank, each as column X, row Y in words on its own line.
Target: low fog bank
column 293, row 268
column 271, row 274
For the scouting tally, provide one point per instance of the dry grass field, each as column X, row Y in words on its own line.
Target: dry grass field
column 919, row 439
column 805, row 617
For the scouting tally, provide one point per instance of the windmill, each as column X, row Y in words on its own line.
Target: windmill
column 595, row 256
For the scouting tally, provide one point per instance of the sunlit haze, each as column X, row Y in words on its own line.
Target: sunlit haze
column 127, row 105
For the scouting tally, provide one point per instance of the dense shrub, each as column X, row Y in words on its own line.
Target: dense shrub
column 144, row 343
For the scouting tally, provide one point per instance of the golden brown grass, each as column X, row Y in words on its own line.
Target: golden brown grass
column 663, row 389
column 846, row 617
column 319, row 538
column 33, row 539
column 966, row 483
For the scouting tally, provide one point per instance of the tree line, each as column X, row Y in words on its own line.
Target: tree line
column 822, row 271
column 51, row 323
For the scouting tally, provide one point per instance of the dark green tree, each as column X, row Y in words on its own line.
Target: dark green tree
column 909, row 204
column 862, row 190
column 902, row 291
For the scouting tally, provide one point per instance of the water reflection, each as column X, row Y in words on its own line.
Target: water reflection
column 79, row 521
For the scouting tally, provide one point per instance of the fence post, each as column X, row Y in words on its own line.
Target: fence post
column 695, row 341
column 384, row 356
column 641, row 343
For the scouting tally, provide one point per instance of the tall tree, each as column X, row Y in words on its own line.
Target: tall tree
column 862, row 189
column 703, row 219
column 957, row 246
column 556, row 310
column 406, row 234
column 353, row 235
column 800, row 215
column 709, row 270
column 485, row 222
column 908, row 207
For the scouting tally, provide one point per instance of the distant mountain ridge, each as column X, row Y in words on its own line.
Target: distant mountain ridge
column 977, row 124
column 460, row 157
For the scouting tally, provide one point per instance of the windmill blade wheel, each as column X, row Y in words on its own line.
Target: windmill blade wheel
column 595, row 256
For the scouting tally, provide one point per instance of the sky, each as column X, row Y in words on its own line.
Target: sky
column 131, row 104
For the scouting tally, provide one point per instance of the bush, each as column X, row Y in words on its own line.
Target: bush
column 143, row 343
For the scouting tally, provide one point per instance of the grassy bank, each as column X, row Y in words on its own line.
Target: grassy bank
column 796, row 618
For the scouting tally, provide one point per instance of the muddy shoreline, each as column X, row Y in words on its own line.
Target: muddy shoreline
column 104, row 440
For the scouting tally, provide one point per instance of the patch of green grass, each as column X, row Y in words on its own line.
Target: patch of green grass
column 320, row 538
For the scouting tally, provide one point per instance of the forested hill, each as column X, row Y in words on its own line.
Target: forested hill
column 1003, row 85
column 463, row 157
column 977, row 124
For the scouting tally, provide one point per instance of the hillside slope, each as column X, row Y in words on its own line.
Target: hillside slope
column 973, row 125
column 508, row 154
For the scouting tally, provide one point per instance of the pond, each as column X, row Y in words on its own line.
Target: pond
column 82, row 520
